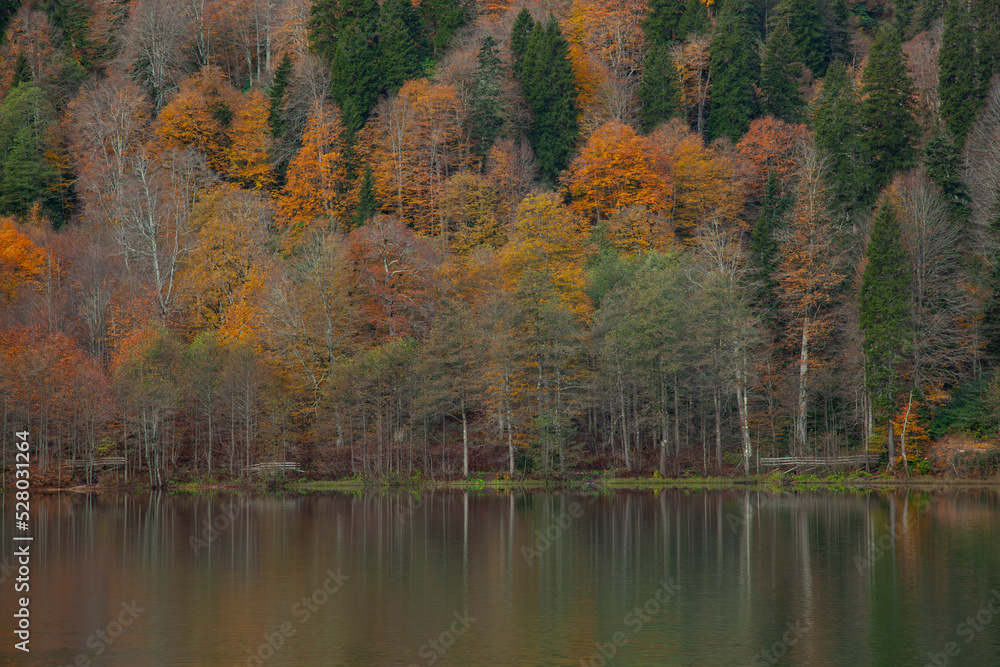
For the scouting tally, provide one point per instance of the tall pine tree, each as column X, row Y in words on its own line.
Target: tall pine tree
column 402, row 45
column 987, row 43
column 344, row 33
column 549, row 86
column 486, row 110
column 779, row 77
column 662, row 17
column 734, row 65
column 694, row 21
column 520, row 33
column 884, row 310
column 837, row 125
column 957, row 71
column 807, row 30
column 658, row 91
column 889, row 130
column 764, row 248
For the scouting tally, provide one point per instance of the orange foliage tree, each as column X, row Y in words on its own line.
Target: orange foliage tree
column 809, row 272
column 770, row 144
column 317, row 187
column 703, row 183
column 198, row 116
column 249, row 159
column 21, row 261
column 394, row 271
column 415, row 142
column 615, row 169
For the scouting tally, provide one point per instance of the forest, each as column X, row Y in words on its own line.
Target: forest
column 455, row 237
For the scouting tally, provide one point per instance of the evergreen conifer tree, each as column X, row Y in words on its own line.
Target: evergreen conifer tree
column 402, row 45
column 779, row 77
column 694, row 21
column 486, row 115
column 884, row 309
column 367, row 199
column 662, row 17
column 26, row 176
column 889, row 130
column 957, row 71
column 987, row 43
column 808, row 32
column 764, row 248
column 658, row 89
column 519, row 35
column 549, row 86
column 734, row 65
column 944, row 167
column 277, row 96
column 837, row 127
column 442, row 19
column 344, row 33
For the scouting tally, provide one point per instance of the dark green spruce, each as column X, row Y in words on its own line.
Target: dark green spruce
column 957, row 85
column 889, row 130
column 734, row 64
column 487, row 114
column 549, row 87
column 658, row 91
column 884, row 310
column 779, row 77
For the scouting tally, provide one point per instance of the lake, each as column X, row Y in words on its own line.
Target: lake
column 492, row 578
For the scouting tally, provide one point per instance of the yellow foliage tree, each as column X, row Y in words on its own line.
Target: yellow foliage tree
column 230, row 228
column 21, row 261
column 197, row 116
column 415, row 143
column 615, row 170
column 249, row 159
column 317, row 186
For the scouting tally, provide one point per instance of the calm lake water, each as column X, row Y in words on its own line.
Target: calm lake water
column 622, row 578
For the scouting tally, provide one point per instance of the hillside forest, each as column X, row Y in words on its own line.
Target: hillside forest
column 451, row 237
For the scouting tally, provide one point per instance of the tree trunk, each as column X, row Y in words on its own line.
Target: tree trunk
column 800, row 417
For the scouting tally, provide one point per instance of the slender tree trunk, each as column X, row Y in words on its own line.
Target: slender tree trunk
column 465, row 441
column 800, row 417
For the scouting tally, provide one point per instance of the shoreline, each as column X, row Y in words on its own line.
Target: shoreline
column 761, row 482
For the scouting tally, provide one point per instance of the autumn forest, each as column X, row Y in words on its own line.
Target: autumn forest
column 461, row 237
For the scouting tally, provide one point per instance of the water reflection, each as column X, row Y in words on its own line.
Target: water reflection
column 685, row 578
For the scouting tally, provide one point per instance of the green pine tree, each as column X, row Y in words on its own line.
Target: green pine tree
column 694, row 21
column 808, row 32
column 367, row 199
column 837, row 126
column 549, row 86
column 779, row 77
column 944, row 167
column 278, row 94
column 22, row 70
column 764, row 248
column 26, row 176
column 884, row 310
column 662, row 18
column 658, row 91
column 442, row 19
column 889, row 130
column 402, row 45
column 957, row 71
column 519, row 35
column 734, row 65
column 487, row 114
column 344, row 33
column 987, row 43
